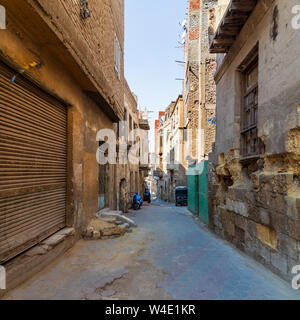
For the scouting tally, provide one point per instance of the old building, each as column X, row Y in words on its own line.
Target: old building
column 62, row 80
column 254, row 181
column 171, row 164
column 199, row 98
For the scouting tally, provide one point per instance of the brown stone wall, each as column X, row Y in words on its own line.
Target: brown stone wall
column 254, row 203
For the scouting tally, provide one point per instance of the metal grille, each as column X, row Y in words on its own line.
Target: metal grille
column 251, row 144
column 33, row 164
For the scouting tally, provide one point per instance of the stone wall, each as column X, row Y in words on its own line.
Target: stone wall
column 255, row 203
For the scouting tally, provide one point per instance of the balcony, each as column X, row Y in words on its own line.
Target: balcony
column 157, row 173
column 234, row 19
column 144, row 124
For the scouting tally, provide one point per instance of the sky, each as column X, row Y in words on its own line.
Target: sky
column 152, row 32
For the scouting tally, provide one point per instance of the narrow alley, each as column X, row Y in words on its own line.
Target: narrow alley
column 168, row 256
column 149, row 150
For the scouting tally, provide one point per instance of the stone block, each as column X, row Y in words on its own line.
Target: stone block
column 54, row 240
column 280, row 262
column 270, row 200
column 279, row 222
column 242, row 194
column 89, row 232
column 66, row 232
column 264, row 253
column 280, row 183
column 298, row 249
column 253, row 214
column 255, row 180
column 251, row 228
column 114, row 231
column 294, row 228
column 36, row 251
column 96, row 235
column 291, row 264
column 293, row 205
column 287, row 245
column 264, row 217
column 108, row 293
column 229, row 227
column 237, row 207
column 267, row 235
column 250, row 243
column 258, row 250
column 240, row 222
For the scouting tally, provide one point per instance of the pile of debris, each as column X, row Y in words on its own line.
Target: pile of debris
column 107, row 225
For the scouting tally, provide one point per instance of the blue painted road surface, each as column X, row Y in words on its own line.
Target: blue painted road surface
column 167, row 257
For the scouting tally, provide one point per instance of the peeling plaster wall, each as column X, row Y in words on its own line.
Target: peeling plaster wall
column 28, row 38
column 256, row 204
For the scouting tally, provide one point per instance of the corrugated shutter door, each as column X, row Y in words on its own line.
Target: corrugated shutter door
column 33, row 164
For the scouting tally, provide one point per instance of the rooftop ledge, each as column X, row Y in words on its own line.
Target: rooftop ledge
column 235, row 17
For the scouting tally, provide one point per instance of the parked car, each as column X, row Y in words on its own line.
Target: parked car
column 181, row 196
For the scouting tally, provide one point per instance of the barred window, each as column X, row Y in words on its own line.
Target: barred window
column 251, row 145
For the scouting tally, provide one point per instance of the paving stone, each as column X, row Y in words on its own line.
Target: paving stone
column 195, row 264
column 279, row 261
column 108, row 293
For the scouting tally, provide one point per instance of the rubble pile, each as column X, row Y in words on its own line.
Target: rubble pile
column 108, row 225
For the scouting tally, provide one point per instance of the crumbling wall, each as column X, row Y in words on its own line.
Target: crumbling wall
column 255, row 203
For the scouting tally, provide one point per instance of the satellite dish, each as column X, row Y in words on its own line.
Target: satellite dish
column 183, row 24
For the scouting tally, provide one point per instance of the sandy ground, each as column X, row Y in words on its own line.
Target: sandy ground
column 168, row 256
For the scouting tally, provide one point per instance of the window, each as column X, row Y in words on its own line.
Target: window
column 130, row 123
column 117, row 57
column 251, row 145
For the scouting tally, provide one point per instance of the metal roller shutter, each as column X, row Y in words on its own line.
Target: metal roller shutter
column 33, row 164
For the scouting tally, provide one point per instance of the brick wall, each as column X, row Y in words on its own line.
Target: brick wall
column 91, row 40
column 200, row 95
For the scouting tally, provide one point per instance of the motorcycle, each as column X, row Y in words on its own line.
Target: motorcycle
column 147, row 196
column 137, row 202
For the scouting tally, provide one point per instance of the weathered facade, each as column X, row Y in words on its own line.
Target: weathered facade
column 199, row 96
column 254, row 179
column 62, row 80
column 171, row 167
column 199, row 87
